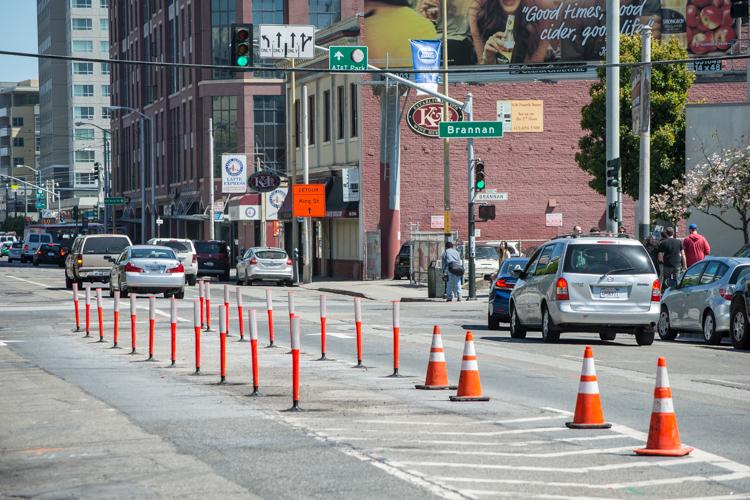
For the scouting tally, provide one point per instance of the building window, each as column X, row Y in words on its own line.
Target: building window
column 104, row 4
column 269, row 124
column 106, row 92
column 84, row 134
column 324, row 13
column 83, row 46
column 104, row 24
column 83, row 90
column 327, row 116
column 340, row 112
column 85, row 179
column 311, row 119
column 20, row 160
column 83, row 113
column 37, row 143
column 353, row 112
column 225, row 128
column 81, row 4
column 82, row 24
column 105, row 68
column 223, row 14
column 104, row 46
column 80, row 68
column 84, row 156
column 106, row 113
column 17, row 121
column 18, row 142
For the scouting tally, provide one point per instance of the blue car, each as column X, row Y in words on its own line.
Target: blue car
column 499, row 296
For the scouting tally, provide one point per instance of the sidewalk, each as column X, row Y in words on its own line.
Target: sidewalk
column 383, row 290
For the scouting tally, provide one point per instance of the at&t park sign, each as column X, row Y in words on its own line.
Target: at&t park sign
column 425, row 115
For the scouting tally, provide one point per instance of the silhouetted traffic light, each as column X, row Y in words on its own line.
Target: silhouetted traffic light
column 613, row 174
column 486, row 212
column 97, row 169
column 612, row 211
column 242, row 45
column 739, row 9
column 479, row 181
column 75, row 213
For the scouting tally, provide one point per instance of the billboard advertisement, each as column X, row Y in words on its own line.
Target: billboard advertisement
column 538, row 31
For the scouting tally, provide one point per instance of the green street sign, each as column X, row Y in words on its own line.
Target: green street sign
column 347, row 58
column 114, row 201
column 464, row 130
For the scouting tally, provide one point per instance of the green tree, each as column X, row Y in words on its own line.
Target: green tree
column 669, row 93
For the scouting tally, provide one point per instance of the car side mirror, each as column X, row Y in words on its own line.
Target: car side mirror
column 487, row 277
column 518, row 273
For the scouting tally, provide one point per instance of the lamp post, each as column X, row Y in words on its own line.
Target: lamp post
column 107, row 174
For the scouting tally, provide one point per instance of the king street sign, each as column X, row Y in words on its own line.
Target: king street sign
column 465, row 130
column 347, row 58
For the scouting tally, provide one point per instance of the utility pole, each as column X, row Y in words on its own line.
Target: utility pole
column 446, row 141
column 211, row 233
column 468, row 109
column 152, row 147
column 293, row 160
column 307, row 262
column 143, row 180
column 644, row 178
column 613, row 112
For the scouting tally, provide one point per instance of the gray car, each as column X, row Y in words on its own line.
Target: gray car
column 265, row 264
column 702, row 299
column 605, row 284
column 148, row 269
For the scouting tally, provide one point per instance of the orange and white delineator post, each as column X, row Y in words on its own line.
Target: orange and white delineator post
column 201, row 301
column 87, row 299
column 295, row 363
column 437, row 369
column 396, row 330
column 226, row 309
column 222, row 344
column 358, row 327
column 663, row 435
column 323, row 314
column 469, row 385
column 197, row 310
column 75, row 307
column 133, row 318
column 100, row 314
column 173, row 329
column 151, row 326
column 240, row 318
column 253, row 320
column 588, row 414
column 269, row 309
column 116, row 319
column 207, row 294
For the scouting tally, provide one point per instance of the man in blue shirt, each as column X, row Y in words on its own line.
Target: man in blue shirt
column 453, row 270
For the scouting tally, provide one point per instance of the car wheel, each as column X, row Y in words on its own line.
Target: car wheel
column 238, row 281
column 665, row 331
column 644, row 336
column 167, row 294
column 493, row 322
column 68, row 282
column 35, row 262
column 710, row 335
column 225, row 276
column 191, row 280
column 740, row 328
column 517, row 331
column 607, row 336
column 180, row 294
column 550, row 332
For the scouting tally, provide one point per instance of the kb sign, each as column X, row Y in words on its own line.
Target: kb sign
column 424, row 116
column 264, row 182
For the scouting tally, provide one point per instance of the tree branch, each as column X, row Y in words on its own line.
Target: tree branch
column 720, row 219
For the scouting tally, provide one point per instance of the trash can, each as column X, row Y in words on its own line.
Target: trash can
column 435, row 283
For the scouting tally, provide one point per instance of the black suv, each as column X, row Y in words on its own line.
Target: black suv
column 213, row 258
column 402, row 262
column 739, row 327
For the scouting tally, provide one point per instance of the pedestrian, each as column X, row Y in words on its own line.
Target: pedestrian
column 622, row 230
column 652, row 247
column 595, row 230
column 577, row 231
column 504, row 252
column 695, row 246
column 453, row 271
column 671, row 257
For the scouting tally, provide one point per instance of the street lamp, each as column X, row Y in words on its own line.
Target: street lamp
column 143, row 169
column 107, row 175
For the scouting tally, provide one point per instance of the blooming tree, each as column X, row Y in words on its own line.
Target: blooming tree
column 719, row 187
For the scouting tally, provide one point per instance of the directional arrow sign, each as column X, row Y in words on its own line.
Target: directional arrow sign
column 281, row 41
column 347, row 58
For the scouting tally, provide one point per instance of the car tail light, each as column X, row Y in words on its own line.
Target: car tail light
column 39, row 252
column 25, row 247
column 502, row 284
column 561, row 289
column 178, row 269
column 62, row 252
column 656, row 291
column 726, row 293
column 195, row 258
column 132, row 268
column 288, row 261
column 79, row 260
column 606, row 242
column 253, row 261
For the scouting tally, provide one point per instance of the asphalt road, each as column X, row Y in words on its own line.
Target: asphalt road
column 82, row 420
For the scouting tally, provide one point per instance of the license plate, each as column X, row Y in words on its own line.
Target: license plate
column 51, row 254
column 99, row 273
column 155, row 269
column 610, row 293
column 209, row 264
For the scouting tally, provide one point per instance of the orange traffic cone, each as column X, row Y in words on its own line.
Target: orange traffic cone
column 588, row 413
column 437, row 372
column 469, row 386
column 663, row 436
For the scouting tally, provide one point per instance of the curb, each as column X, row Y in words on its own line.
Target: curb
column 343, row 292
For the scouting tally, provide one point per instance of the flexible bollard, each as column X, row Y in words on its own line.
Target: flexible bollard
column 173, row 327
column 197, row 310
column 396, row 331
column 201, row 300
column 207, row 293
column 269, row 309
column 100, row 314
column 254, row 349
column 323, row 311
column 116, row 320
column 133, row 318
column 292, row 314
column 240, row 317
column 222, row 344
column 151, row 326
column 75, row 307
column 295, row 364
column 358, row 326
column 226, row 309
column 87, row 288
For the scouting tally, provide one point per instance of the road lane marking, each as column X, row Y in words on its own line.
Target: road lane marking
column 570, row 440
column 566, row 470
column 453, row 424
column 487, row 433
column 555, row 454
column 4, row 343
column 330, row 334
column 29, row 281
column 517, row 494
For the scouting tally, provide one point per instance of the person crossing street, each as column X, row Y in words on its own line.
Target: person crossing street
column 453, row 272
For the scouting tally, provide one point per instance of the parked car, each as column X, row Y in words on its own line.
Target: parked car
column 50, row 253
column 213, row 258
column 701, row 301
column 401, row 269
column 5, row 248
column 148, row 269
column 8, row 238
column 744, row 251
column 185, row 252
column 32, row 244
column 486, row 260
column 14, row 253
column 265, row 264
column 498, row 309
column 739, row 313
column 91, row 257
column 603, row 283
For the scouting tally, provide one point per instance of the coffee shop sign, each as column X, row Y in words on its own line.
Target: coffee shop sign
column 264, row 182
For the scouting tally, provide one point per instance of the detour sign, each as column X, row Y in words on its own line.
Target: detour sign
column 309, row 200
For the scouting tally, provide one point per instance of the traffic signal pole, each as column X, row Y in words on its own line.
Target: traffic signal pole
column 613, row 113
column 468, row 109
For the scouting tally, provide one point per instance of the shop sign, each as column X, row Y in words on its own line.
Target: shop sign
column 350, row 181
column 553, row 220
column 264, row 182
column 233, row 173
column 425, row 115
column 273, row 201
column 244, row 212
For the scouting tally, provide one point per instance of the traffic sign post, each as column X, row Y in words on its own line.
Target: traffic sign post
column 347, row 58
column 280, row 41
column 309, row 200
column 470, row 130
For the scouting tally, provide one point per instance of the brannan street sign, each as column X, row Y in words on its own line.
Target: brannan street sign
column 114, row 201
column 473, row 130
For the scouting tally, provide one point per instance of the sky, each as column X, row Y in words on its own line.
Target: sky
column 18, row 33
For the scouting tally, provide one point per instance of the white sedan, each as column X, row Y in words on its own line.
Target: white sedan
column 148, row 269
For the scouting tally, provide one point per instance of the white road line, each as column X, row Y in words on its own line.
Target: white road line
column 566, row 470
column 34, row 308
column 471, row 443
column 454, row 424
column 29, row 281
column 517, row 494
column 330, row 334
column 587, row 451
column 569, row 440
column 466, row 434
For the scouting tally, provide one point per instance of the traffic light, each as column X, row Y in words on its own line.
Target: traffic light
column 613, row 176
column 242, row 45
column 97, row 169
column 75, row 213
column 479, row 181
column 486, row 212
column 612, row 211
column 739, row 9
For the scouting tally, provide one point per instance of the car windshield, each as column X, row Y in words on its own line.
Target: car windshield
column 598, row 258
column 270, row 254
column 17, row 244
column 739, row 273
column 509, row 265
column 177, row 246
column 210, row 247
column 487, row 253
column 152, row 253
column 105, row 245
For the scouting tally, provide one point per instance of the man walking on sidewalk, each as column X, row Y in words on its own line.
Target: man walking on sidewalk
column 672, row 258
column 453, row 271
column 695, row 246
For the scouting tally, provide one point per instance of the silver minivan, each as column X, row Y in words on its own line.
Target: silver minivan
column 601, row 283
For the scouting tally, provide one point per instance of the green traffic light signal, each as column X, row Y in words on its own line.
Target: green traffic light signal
column 480, row 184
column 242, row 61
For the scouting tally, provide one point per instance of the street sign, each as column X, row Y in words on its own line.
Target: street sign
column 159, row 221
column 309, row 200
column 264, row 182
column 280, row 41
column 459, row 130
column 347, row 58
column 491, row 196
column 114, row 200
